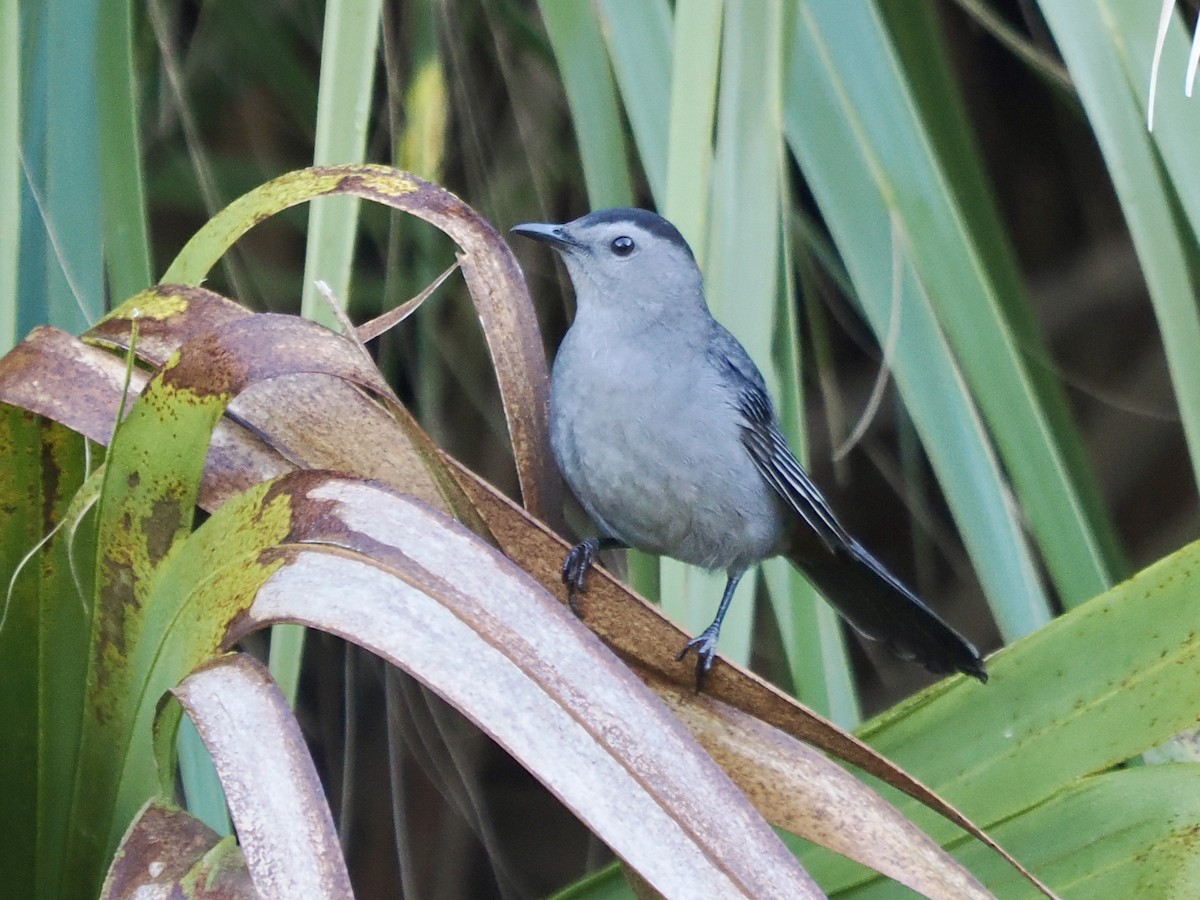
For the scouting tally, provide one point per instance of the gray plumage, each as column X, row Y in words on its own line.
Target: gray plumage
column 663, row 429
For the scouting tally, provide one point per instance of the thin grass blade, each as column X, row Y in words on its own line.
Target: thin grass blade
column 574, row 31
column 1108, row 48
column 638, row 33
column 10, row 170
column 123, row 212
column 348, row 63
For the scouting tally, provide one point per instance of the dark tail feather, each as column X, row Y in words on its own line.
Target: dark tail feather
column 871, row 599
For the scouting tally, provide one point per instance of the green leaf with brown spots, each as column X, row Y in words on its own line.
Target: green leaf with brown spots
column 43, row 640
column 151, row 488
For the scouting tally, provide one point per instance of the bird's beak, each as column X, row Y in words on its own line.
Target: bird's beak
column 554, row 235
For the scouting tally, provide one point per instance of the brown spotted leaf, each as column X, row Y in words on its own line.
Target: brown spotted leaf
column 495, row 281
column 169, row 853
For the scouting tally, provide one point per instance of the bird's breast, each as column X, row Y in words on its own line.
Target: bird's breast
column 650, row 444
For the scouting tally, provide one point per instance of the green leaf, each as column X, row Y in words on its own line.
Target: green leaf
column 61, row 254
column 574, row 31
column 123, row 210
column 20, row 499
column 639, row 44
column 932, row 82
column 348, row 61
column 1103, row 61
column 1117, row 835
column 43, row 642
column 198, row 776
column 1130, row 36
column 146, row 506
column 10, row 170
column 1095, row 687
column 866, row 200
column 606, row 884
column 695, row 66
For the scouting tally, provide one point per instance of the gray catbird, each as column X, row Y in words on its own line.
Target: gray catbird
column 662, row 427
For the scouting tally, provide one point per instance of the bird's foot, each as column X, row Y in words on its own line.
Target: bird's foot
column 705, row 645
column 575, row 569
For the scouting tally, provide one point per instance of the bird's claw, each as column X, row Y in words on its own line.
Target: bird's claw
column 705, row 645
column 574, row 571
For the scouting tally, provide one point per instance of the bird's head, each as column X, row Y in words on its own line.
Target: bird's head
column 628, row 261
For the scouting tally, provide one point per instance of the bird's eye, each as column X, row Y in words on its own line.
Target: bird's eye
column 622, row 246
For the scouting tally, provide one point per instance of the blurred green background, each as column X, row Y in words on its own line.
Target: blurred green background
column 961, row 194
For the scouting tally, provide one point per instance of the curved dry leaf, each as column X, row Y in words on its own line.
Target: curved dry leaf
column 640, row 633
column 168, row 316
column 271, row 785
column 421, row 591
column 329, row 423
column 493, row 277
column 798, row 789
column 264, row 346
column 368, row 331
column 53, row 374
column 57, row 376
column 158, row 458
column 637, row 631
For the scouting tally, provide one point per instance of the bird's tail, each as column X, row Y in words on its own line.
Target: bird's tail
column 874, row 601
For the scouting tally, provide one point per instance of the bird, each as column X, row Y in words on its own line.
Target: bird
column 662, row 427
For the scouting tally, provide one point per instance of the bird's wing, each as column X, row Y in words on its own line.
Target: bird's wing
column 779, row 467
column 864, row 592
column 767, row 446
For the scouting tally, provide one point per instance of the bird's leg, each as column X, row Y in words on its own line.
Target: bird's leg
column 705, row 643
column 578, row 561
